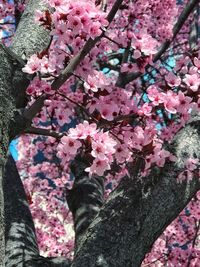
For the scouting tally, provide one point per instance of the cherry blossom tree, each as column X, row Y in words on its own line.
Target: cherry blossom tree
column 104, row 99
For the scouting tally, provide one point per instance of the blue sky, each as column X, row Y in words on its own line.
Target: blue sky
column 13, row 149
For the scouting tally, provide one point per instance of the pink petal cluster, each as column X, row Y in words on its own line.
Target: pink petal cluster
column 102, row 145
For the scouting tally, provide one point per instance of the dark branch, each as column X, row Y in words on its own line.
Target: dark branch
column 36, row 107
column 21, row 244
column 85, row 199
column 44, row 132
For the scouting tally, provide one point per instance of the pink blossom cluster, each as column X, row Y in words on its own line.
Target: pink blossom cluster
column 38, row 87
column 191, row 170
column 6, row 9
column 172, row 101
column 111, row 103
column 70, row 23
column 46, row 197
column 75, row 22
column 162, row 14
column 101, row 144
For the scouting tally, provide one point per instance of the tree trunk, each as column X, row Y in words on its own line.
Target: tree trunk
column 29, row 38
column 21, row 244
column 7, row 109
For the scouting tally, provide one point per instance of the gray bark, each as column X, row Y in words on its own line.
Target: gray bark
column 28, row 39
column 85, row 198
column 20, row 239
column 21, row 244
column 7, row 109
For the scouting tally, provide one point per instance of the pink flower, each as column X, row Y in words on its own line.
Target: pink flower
column 108, row 110
column 70, row 145
column 95, row 30
column 74, row 23
column 184, row 102
column 137, row 54
column 145, row 110
column 197, row 64
column 192, row 81
column 154, row 95
column 47, row 66
column 98, row 167
column 170, row 102
column 63, row 115
column 91, row 84
column 108, row 142
column 83, row 130
column 191, row 164
column 123, row 154
column 77, row 10
column 145, row 43
column 160, row 157
column 98, row 150
column 95, row 81
column 33, row 65
column 172, row 80
column 85, row 20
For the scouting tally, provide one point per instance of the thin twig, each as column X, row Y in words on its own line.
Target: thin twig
column 44, row 132
column 30, row 112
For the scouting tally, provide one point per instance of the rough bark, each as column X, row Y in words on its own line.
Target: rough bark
column 28, row 39
column 85, row 198
column 21, row 244
column 139, row 210
column 7, row 109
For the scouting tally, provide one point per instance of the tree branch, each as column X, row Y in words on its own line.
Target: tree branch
column 21, row 244
column 32, row 111
column 85, row 198
column 11, row 79
column 30, row 37
column 44, row 132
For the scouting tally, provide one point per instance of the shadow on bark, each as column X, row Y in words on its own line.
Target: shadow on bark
column 21, row 244
column 20, row 236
